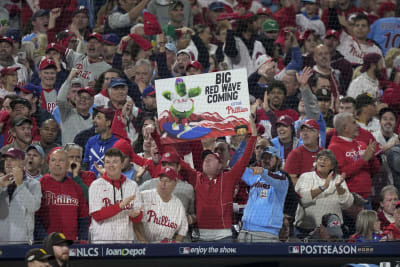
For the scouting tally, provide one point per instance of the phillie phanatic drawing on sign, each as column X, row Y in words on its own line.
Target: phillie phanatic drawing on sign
column 181, row 109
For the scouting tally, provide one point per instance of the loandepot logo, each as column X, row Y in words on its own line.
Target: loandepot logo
column 323, row 249
column 126, row 252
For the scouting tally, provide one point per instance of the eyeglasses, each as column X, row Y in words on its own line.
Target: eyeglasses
column 85, row 98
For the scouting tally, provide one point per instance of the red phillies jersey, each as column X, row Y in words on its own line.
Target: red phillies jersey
column 363, row 135
column 300, row 160
column 350, row 161
column 62, row 204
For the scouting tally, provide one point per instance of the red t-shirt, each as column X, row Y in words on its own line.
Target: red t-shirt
column 300, row 160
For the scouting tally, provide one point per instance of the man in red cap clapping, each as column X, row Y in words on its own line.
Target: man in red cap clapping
column 164, row 217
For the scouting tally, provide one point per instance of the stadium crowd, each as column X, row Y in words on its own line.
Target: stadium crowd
column 82, row 151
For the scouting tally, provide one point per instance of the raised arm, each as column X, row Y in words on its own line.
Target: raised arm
column 310, row 100
column 237, row 171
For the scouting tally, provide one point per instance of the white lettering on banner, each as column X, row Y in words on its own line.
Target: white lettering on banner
column 206, row 250
column 126, row 252
column 323, row 249
column 84, row 252
column 60, row 200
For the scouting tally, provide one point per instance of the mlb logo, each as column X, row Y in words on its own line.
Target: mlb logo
column 294, row 249
column 184, row 250
column 72, row 252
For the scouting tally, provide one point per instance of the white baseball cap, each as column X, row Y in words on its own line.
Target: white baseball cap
column 261, row 60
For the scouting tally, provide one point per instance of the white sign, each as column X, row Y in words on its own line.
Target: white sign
column 203, row 106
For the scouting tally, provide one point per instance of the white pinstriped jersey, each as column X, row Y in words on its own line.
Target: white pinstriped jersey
column 87, row 71
column 116, row 229
column 354, row 51
column 161, row 220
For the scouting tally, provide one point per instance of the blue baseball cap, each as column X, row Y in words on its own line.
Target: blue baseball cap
column 216, row 6
column 271, row 150
column 14, row 34
column 29, row 88
column 111, row 39
column 38, row 148
column 171, row 47
column 148, row 91
column 117, row 81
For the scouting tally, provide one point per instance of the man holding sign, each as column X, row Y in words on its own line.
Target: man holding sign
column 214, row 191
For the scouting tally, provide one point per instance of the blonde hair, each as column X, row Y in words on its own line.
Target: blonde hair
column 365, row 222
column 357, row 72
column 390, row 56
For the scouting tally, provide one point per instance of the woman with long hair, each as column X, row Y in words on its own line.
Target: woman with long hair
column 368, row 228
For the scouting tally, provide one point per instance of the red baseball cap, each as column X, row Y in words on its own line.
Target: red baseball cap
column 6, row 39
column 170, row 157
column 285, row 120
column 7, row 70
column 14, row 153
column 310, row 123
column 97, row 36
column 264, row 11
column 140, row 41
column 47, row 63
column 195, row 64
column 86, row 90
column 386, row 7
column 108, row 112
column 333, row 33
column 169, row 172
column 151, row 25
column 54, row 46
column 124, row 146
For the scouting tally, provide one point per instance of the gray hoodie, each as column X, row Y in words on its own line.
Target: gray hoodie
column 17, row 217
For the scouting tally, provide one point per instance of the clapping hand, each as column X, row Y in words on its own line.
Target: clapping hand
column 340, row 179
column 126, row 201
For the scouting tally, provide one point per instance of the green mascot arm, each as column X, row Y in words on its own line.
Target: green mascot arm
column 167, row 95
column 194, row 92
